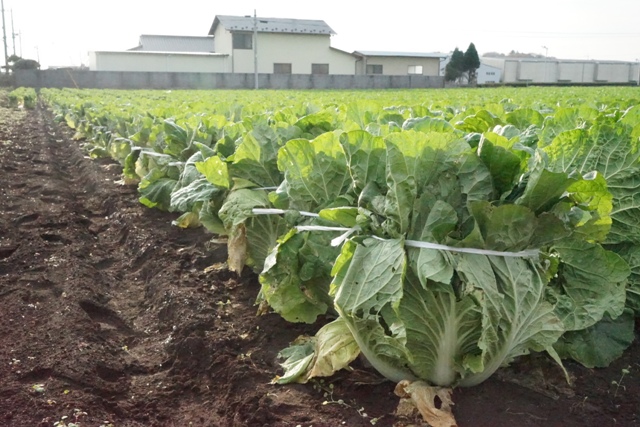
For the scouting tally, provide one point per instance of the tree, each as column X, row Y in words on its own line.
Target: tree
column 18, row 63
column 471, row 63
column 453, row 71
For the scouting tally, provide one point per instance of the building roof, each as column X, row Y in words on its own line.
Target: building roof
column 271, row 25
column 159, row 43
column 400, row 54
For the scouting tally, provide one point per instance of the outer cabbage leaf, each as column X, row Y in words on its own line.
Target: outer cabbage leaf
column 366, row 157
column 255, row 159
column 368, row 278
column 613, row 152
column 516, row 317
column 331, row 349
column 316, row 172
column 297, row 274
column 590, row 284
column 601, row 344
column 631, row 255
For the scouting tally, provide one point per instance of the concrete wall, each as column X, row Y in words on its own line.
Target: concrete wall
column 149, row 80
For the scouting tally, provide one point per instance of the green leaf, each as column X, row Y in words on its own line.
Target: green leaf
column 156, row 193
column 298, row 359
column 631, row 255
column 296, row 276
column 601, row 344
column 255, row 160
column 215, row 171
column 516, row 317
column 345, row 216
column 416, row 161
column 200, row 190
column 335, row 349
column 432, row 225
column 502, row 163
column 591, row 283
column 368, row 281
column 239, row 205
column 373, row 279
column 506, row 227
column 366, row 158
column 522, row 118
column 614, row 153
column 544, row 188
column 316, row 172
column 428, row 124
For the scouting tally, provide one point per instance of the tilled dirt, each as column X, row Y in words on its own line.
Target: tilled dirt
column 110, row 316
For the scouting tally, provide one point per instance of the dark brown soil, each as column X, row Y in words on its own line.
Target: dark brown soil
column 108, row 318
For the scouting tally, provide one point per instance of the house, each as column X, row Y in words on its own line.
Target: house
column 398, row 63
column 281, row 46
column 246, row 44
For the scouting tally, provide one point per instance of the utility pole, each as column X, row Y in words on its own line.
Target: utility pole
column 4, row 40
column 13, row 34
column 255, row 49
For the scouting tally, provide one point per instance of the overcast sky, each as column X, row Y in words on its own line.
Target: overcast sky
column 62, row 32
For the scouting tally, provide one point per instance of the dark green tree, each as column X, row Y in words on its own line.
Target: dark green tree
column 471, row 63
column 454, row 69
column 18, row 63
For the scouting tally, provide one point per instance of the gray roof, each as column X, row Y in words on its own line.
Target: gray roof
column 402, row 54
column 271, row 25
column 157, row 43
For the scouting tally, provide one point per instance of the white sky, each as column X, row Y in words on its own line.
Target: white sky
column 62, row 32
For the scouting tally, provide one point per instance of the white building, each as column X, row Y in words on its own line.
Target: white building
column 237, row 44
column 287, row 46
column 564, row 71
column 398, row 63
column 486, row 74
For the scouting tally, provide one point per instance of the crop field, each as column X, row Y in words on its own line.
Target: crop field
column 463, row 257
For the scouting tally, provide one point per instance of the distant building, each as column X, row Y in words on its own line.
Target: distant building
column 158, row 43
column 279, row 46
column 564, row 71
column 486, row 74
column 284, row 46
column 398, row 63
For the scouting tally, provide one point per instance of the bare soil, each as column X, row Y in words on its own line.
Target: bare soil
column 108, row 318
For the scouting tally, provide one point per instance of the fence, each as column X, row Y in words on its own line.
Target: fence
column 162, row 80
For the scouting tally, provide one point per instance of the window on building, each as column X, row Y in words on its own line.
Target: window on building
column 415, row 69
column 281, row 68
column 242, row 41
column 491, row 73
column 374, row 69
column 319, row 68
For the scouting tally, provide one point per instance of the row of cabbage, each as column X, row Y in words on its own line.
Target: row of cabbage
column 439, row 233
column 23, row 97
